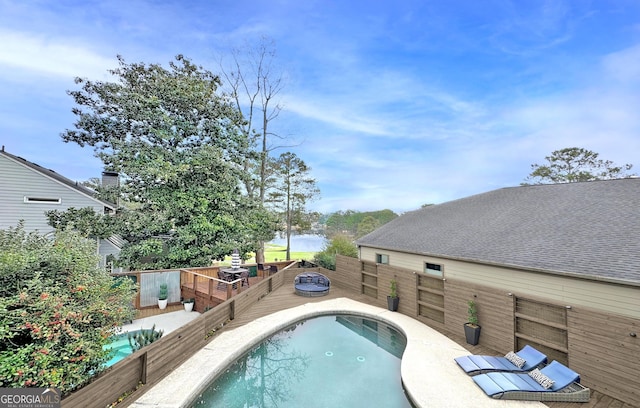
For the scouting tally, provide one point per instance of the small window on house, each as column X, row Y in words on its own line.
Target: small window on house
column 42, row 200
column 433, row 269
column 382, row 259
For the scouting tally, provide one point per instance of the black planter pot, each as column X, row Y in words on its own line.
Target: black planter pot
column 472, row 334
column 392, row 303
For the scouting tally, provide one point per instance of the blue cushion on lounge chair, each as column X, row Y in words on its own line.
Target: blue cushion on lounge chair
column 475, row 364
column 499, row 384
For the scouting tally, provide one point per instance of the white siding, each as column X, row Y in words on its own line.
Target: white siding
column 18, row 181
column 607, row 297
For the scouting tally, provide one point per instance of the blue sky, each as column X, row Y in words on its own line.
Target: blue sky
column 392, row 104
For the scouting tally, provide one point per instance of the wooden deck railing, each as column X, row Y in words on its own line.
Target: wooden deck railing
column 208, row 285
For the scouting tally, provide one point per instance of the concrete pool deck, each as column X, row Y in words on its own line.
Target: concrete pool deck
column 430, row 375
column 166, row 322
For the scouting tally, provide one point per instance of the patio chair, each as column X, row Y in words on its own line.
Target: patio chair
column 273, row 269
column 478, row 364
column 222, row 277
column 245, row 278
column 554, row 382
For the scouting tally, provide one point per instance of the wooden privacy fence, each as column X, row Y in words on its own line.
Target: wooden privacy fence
column 154, row 362
column 602, row 347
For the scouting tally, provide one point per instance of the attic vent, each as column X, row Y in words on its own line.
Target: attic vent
column 42, row 200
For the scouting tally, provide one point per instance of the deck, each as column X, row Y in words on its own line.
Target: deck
column 285, row 297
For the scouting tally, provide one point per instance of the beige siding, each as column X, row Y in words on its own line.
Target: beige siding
column 603, row 296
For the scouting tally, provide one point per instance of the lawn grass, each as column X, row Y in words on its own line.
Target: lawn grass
column 273, row 253
column 279, row 252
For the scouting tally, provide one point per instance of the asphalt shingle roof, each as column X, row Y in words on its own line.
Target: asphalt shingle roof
column 590, row 229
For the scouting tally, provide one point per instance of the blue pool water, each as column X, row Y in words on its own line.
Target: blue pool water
column 120, row 347
column 329, row 361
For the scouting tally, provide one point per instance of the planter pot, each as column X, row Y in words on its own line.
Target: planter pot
column 392, row 303
column 188, row 306
column 472, row 334
column 162, row 304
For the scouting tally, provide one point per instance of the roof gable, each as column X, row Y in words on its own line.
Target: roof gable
column 50, row 174
column 590, row 229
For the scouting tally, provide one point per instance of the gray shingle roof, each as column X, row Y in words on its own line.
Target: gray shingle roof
column 590, row 229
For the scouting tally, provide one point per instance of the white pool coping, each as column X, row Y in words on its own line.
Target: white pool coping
column 430, row 375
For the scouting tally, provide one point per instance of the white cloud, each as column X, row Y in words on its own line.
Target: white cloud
column 624, row 65
column 50, row 56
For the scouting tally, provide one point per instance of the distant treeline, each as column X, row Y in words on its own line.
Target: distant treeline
column 355, row 223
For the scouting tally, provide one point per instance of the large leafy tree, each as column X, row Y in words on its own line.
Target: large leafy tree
column 575, row 164
column 293, row 188
column 57, row 309
column 177, row 143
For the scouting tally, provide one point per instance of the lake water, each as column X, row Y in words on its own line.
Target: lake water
column 303, row 242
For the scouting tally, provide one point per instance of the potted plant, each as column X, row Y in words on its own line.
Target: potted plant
column 188, row 304
column 472, row 328
column 163, row 296
column 393, row 299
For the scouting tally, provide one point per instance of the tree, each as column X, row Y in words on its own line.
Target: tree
column 84, row 220
column 291, row 191
column 367, row 225
column 338, row 245
column 348, row 222
column 57, row 310
column 254, row 83
column 177, row 143
column 575, row 164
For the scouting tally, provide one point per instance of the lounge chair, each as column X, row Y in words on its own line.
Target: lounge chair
column 478, row 364
column 565, row 387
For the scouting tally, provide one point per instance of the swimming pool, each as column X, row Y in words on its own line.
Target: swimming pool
column 120, row 347
column 340, row 360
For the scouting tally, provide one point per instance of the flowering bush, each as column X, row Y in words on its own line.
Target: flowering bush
column 57, row 310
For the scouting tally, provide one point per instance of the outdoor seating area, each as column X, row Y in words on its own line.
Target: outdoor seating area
column 311, row 284
column 524, row 360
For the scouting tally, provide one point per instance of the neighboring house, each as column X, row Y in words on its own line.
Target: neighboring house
column 556, row 266
column 28, row 190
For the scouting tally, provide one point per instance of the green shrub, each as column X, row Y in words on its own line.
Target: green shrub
column 57, row 310
column 339, row 244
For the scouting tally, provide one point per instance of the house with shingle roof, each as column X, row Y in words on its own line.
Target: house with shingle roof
column 587, row 232
column 555, row 266
column 28, row 190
